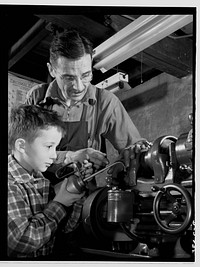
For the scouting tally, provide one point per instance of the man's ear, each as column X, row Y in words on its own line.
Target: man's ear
column 51, row 70
column 20, row 145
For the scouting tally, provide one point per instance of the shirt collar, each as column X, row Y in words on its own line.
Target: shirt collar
column 19, row 173
column 54, row 93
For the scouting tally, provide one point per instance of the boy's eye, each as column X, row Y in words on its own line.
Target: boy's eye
column 49, row 146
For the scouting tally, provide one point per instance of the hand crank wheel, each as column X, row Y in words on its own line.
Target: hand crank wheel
column 172, row 208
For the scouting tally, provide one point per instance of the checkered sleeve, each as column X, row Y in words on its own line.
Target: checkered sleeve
column 74, row 218
column 29, row 231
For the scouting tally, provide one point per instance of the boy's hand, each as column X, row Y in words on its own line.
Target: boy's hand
column 63, row 196
column 88, row 168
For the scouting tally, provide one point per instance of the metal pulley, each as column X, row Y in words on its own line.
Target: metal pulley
column 157, row 158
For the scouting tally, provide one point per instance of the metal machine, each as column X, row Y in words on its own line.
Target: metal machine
column 149, row 213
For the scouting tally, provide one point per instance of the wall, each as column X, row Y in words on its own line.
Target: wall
column 159, row 107
column 17, row 90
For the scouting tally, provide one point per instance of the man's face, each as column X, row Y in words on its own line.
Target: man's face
column 73, row 76
column 41, row 153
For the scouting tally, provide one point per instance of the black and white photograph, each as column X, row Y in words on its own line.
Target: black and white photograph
column 101, row 133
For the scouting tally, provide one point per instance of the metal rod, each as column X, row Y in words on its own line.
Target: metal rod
column 106, row 168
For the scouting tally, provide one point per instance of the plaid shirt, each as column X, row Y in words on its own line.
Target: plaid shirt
column 33, row 218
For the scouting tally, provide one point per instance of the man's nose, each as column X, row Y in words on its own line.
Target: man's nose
column 78, row 84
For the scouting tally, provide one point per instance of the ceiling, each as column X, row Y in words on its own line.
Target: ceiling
column 28, row 45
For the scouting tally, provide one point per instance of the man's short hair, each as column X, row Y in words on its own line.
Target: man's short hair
column 26, row 120
column 70, row 44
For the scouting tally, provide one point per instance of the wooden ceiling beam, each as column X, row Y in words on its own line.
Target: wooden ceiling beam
column 26, row 37
column 27, row 42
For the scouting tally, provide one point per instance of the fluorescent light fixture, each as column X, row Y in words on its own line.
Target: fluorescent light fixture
column 115, row 83
column 135, row 37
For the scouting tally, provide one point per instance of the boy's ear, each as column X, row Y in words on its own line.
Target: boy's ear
column 51, row 70
column 20, row 145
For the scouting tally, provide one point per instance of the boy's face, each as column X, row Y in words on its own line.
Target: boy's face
column 41, row 153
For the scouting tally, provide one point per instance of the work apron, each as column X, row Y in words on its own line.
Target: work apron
column 76, row 136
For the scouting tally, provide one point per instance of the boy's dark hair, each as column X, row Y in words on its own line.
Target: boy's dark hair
column 26, row 120
column 70, row 44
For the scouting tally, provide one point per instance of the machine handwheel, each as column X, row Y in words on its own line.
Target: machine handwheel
column 172, row 208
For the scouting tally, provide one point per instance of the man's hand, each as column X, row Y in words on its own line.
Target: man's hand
column 130, row 152
column 130, row 157
column 95, row 156
column 63, row 196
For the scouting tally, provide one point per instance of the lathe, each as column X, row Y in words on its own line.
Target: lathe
column 149, row 214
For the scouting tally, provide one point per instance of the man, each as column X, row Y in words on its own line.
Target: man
column 91, row 115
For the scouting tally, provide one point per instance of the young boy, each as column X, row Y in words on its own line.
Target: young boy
column 34, row 210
